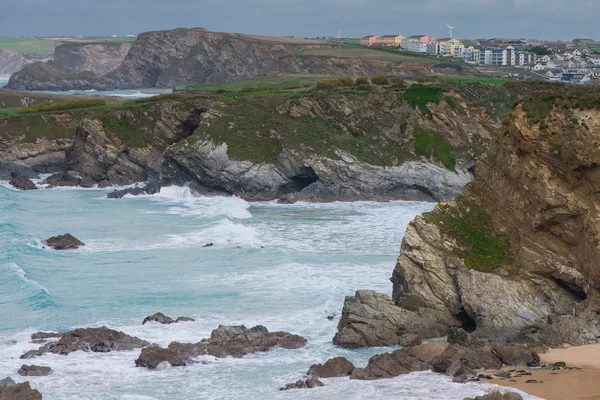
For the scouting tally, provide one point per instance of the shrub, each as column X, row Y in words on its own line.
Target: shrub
column 221, row 91
column 397, row 81
column 419, row 96
column 153, row 99
column 335, row 83
column 427, row 79
column 62, row 106
column 255, row 89
column 292, row 87
column 380, row 80
column 432, row 145
column 362, row 80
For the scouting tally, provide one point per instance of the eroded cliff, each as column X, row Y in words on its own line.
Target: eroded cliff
column 99, row 58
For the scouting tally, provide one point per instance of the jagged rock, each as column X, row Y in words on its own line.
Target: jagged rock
column 158, row 317
column 68, row 178
column 7, row 382
column 308, row 383
column 389, row 365
column 21, row 182
column 225, row 341
column 63, row 242
column 34, row 370
column 209, row 245
column 151, row 188
column 45, row 335
column 371, row 319
column 184, row 319
column 20, row 391
column 428, row 351
column 97, row 340
column 409, row 339
column 333, row 368
column 498, row 396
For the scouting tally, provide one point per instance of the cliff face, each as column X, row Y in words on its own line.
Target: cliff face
column 163, row 59
column 516, row 255
column 99, row 58
column 12, row 61
column 365, row 144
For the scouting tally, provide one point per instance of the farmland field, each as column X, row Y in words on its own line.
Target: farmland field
column 27, row 45
column 369, row 54
column 274, row 82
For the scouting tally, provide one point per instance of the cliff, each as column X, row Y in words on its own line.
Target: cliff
column 164, row 59
column 12, row 61
column 516, row 255
column 99, row 58
column 365, row 143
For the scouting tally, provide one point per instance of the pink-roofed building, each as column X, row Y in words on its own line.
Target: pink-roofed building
column 370, row 40
column 418, row 43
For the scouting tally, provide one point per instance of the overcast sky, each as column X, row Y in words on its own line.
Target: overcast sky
column 545, row 19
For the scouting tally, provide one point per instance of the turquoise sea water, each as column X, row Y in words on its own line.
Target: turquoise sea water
column 283, row 266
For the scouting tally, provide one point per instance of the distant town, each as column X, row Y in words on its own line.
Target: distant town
column 575, row 62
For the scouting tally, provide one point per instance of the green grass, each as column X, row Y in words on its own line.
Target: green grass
column 125, row 131
column 489, row 80
column 433, row 146
column 368, row 54
column 27, row 45
column 419, row 96
column 154, row 99
column 538, row 109
column 480, row 246
column 8, row 112
column 274, row 82
column 61, row 106
column 115, row 40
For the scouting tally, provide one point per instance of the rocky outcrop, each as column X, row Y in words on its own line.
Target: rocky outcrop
column 9, row 390
column 333, row 368
column 63, row 242
column 498, row 396
column 34, row 370
column 97, row 340
column 161, row 59
column 307, row 383
column 225, row 341
column 21, row 182
column 99, row 58
column 163, row 319
column 150, row 188
column 12, row 61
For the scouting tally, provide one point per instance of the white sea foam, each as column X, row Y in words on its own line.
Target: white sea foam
column 23, row 275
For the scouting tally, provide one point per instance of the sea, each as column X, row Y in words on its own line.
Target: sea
column 287, row 267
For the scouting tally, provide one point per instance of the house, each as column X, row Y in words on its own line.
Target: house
column 578, row 78
column 539, row 67
column 545, row 59
column 501, row 56
column 471, row 53
column 595, row 61
column 554, row 73
column 370, row 40
column 418, row 43
column 525, row 58
column 577, row 53
column 389, row 40
column 595, row 73
column 451, row 47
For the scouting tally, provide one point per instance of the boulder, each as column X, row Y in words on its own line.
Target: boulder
column 34, row 370
column 428, row 351
column 63, row 242
column 185, row 319
column 21, row 182
column 389, row 365
column 225, row 341
column 97, row 340
column 20, row 391
column 308, row 383
column 150, row 188
column 158, row 317
column 333, row 368
column 6, row 382
column 371, row 319
column 409, row 339
column 68, row 179
column 498, row 396
column 45, row 335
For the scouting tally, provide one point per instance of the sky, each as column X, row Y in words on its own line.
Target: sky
column 543, row 19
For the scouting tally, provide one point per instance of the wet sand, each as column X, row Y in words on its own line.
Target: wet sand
column 581, row 383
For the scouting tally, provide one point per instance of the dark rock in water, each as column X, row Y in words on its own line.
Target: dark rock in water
column 7, row 382
column 63, row 242
column 97, row 340
column 389, row 365
column 209, row 245
column 158, row 317
column 308, row 383
column 45, row 335
column 461, row 370
column 151, row 188
column 225, row 341
column 163, row 319
column 331, row 317
column 333, row 368
column 498, row 396
column 21, row 391
column 21, row 182
column 428, row 351
column 68, row 179
column 34, row 370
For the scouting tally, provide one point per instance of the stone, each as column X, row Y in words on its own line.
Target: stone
column 150, row 188
column 45, row 335
column 308, row 383
column 225, row 341
column 428, row 351
column 209, row 245
column 333, row 368
column 68, row 178
column 371, row 319
column 21, row 182
column 7, row 382
column 389, row 365
column 63, row 242
column 158, row 317
column 498, row 396
column 20, row 391
column 34, row 370
column 409, row 339
column 184, row 319
column 97, row 340
column 559, row 364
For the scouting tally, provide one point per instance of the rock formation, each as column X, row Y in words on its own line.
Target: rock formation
column 98, row 58
column 12, row 61
column 498, row 396
column 163, row 319
column 97, row 340
column 9, row 390
column 308, row 383
column 225, row 341
column 21, row 182
column 63, row 242
column 34, row 370
column 333, row 368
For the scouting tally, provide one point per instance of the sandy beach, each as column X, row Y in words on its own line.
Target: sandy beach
column 579, row 381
